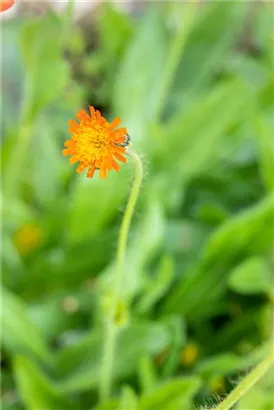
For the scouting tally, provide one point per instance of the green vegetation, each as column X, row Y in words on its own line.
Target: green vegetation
column 194, row 86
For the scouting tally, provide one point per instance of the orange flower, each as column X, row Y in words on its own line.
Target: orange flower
column 96, row 143
column 5, row 4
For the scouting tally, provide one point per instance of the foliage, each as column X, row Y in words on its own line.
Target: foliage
column 194, row 85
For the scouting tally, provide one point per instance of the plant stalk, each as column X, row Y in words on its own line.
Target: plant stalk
column 111, row 328
column 252, row 378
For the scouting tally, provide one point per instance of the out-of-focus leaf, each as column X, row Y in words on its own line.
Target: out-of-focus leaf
column 57, row 314
column 206, row 282
column 11, row 260
column 79, row 365
column 12, row 76
column 147, row 239
column 178, row 335
column 184, row 238
column 109, row 405
column 212, row 36
column 15, row 212
column 227, row 363
column 241, row 328
column 250, row 69
column 264, row 137
column 240, row 233
column 158, row 285
column 93, row 204
column 71, row 265
column 47, row 162
column 35, row 389
column 251, row 276
column 176, row 394
column 137, row 81
column 128, row 400
column 115, row 29
column 147, row 374
column 263, row 398
column 46, row 71
column 19, row 334
column 202, row 131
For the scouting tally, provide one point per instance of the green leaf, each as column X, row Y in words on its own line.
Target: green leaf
column 19, row 333
column 35, row 389
column 15, row 212
column 178, row 334
column 240, row 233
column 227, row 363
column 46, row 70
column 11, row 261
column 12, row 77
column 79, row 365
column 139, row 76
column 109, row 405
column 264, row 137
column 205, row 283
column 93, row 204
column 147, row 374
column 47, row 161
column 251, row 276
column 148, row 237
column 176, row 394
column 128, row 399
column 115, row 30
column 158, row 286
column 202, row 131
column 208, row 44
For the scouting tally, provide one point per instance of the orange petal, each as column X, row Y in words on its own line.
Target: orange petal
column 115, row 165
column 120, row 140
column 115, row 123
column 121, row 150
column 103, row 172
column 98, row 115
column 82, row 115
column 67, row 151
column 120, row 157
column 73, row 159
column 81, row 167
column 69, row 144
column 91, row 171
column 107, row 164
column 92, row 111
column 73, row 126
column 121, row 131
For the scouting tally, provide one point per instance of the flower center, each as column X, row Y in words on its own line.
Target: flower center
column 92, row 141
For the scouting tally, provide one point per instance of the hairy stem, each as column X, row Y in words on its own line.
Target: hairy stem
column 259, row 371
column 111, row 327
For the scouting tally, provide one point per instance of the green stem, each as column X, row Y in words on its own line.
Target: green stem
column 111, row 327
column 259, row 371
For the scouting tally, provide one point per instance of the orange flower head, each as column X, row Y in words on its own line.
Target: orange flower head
column 96, row 143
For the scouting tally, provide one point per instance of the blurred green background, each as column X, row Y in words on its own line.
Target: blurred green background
column 194, row 85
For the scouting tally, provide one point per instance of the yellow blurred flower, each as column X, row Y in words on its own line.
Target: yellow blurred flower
column 28, row 238
column 189, row 354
